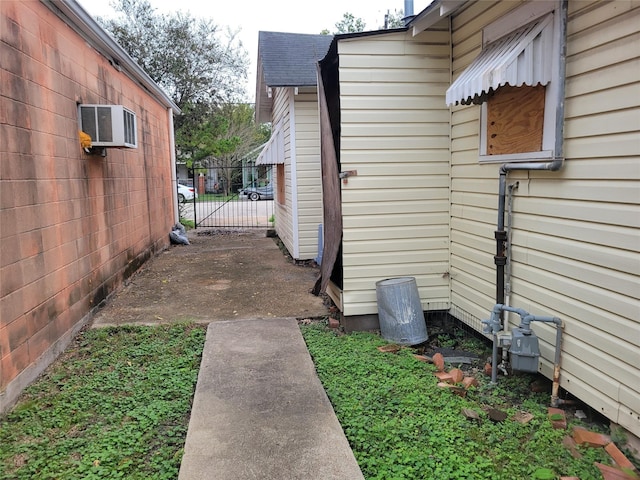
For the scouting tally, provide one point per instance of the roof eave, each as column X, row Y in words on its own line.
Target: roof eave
column 437, row 10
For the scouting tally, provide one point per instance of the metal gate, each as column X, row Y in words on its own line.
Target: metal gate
column 229, row 196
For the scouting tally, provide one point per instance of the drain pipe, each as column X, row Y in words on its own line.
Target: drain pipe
column 554, row 165
column 507, row 285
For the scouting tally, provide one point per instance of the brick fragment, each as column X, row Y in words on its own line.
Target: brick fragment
column 487, row 369
column 621, row 460
column 334, row 323
column 468, row 382
column 456, row 374
column 582, row 436
column 559, row 423
column 438, row 361
column 444, row 377
column 612, row 473
column 523, row 417
column 423, row 358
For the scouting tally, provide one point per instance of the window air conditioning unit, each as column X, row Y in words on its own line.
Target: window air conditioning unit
column 109, row 125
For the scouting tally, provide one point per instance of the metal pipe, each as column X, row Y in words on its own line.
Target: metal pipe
column 507, row 284
column 554, row 165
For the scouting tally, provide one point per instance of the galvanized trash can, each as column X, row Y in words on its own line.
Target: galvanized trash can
column 400, row 311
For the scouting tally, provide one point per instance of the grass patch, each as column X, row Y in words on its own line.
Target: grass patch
column 400, row 425
column 115, row 405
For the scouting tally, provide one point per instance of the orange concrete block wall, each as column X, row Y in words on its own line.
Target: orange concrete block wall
column 72, row 225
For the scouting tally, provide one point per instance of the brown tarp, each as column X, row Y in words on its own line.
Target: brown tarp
column 331, row 200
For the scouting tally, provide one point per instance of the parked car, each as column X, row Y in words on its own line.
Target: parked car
column 185, row 193
column 258, row 193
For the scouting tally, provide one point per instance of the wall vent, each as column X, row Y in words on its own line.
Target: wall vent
column 109, row 125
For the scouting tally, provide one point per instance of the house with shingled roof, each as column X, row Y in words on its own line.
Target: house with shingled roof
column 287, row 97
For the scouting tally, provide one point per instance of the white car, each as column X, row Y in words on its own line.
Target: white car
column 186, row 194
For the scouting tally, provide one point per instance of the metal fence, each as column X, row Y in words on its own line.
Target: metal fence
column 222, row 200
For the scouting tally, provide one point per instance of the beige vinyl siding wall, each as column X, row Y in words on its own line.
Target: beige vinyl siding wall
column 576, row 231
column 395, row 135
column 282, row 113
column 308, row 174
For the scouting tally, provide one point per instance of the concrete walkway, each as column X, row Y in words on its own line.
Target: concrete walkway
column 260, row 411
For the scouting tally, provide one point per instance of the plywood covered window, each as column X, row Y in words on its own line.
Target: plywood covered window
column 515, row 130
column 515, row 80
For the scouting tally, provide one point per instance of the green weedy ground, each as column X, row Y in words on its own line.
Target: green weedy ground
column 402, row 426
column 115, row 405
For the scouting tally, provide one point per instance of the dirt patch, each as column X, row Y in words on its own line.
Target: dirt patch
column 221, row 275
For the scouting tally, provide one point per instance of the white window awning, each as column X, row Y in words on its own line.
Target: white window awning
column 523, row 57
column 273, row 151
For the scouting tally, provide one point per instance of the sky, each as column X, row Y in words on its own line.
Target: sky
column 251, row 16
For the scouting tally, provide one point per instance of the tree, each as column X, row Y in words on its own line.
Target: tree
column 194, row 63
column 183, row 54
column 394, row 20
column 348, row 24
column 225, row 139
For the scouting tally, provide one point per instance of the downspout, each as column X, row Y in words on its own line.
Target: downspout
column 553, row 166
column 174, row 173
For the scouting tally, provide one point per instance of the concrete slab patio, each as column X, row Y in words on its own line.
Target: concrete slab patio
column 260, row 411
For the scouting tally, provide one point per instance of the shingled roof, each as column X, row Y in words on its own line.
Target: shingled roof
column 289, row 59
column 286, row 60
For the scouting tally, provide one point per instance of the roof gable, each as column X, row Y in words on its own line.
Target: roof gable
column 289, row 59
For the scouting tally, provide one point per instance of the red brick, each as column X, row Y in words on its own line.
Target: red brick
column 333, row 323
column 438, row 361
column 612, row 473
column 487, row 369
column 456, row 374
column 559, row 424
column 444, row 377
column 469, row 382
column 582, row 436
column 621, row 460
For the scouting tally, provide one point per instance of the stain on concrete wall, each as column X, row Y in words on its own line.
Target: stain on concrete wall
column 72, row 226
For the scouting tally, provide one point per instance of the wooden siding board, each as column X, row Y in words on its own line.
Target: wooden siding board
column 612, row 302
column 612, row 76
column 620, row 214
column 603, row 56
column 429, row 156
column 587, row 31
column 627, row 120
column 593, row 190
column 625, row 97
column 397, row 130
column 598, row 327
column 578, row 250
column 413, row 231
column 399, row 116
column 379, row 209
